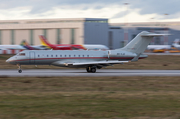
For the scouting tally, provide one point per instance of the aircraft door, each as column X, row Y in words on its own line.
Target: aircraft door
column 109, row 52
column 32, row 57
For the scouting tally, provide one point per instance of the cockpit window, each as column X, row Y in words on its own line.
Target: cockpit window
column 21, row 54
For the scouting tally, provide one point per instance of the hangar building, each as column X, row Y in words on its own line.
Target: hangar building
column 64, row 31
column 83, row 31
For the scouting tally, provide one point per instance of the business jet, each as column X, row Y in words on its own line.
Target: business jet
column 89, row 59
column 46, row 43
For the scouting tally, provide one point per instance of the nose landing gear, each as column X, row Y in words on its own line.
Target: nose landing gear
column 19, row 68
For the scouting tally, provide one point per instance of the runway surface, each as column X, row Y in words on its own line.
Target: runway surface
column 161, row 53
column 81, row 72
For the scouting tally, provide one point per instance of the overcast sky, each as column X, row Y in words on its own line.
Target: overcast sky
column 115, row 10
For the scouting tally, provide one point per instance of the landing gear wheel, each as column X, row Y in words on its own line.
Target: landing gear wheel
column 88, row 69
column 93, row 70
column 20, row 71
column 19, row 68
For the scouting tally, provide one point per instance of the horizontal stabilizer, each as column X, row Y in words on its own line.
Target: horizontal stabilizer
column 154, row 35
column 100, row 62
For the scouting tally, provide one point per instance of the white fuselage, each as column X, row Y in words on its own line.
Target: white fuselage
column 158, row 47
column 12, row 47
column 60, row 58
column 95, row 47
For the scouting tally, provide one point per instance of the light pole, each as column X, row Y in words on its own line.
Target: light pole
column 126, row 25
column 165, row 32
column 152, row 30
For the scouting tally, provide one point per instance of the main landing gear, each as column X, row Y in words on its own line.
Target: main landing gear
column 19, row 68
column 91, row 69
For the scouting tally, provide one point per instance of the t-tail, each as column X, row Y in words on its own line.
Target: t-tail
column 139, row 44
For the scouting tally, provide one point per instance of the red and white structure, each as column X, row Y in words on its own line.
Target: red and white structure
column 10, row 51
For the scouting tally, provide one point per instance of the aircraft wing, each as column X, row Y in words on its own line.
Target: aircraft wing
column 66, row 63
column 100, row 62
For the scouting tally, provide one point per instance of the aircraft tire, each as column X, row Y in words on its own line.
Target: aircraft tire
column 93, row 70
column 88, row 69
column 20, row 71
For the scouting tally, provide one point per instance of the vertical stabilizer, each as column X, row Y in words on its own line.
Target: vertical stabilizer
column 26, row 45
column 44, row 41
column 140, row 42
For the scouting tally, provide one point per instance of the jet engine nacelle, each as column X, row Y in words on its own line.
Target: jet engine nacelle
column 116, row 53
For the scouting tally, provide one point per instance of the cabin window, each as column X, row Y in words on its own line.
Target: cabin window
column 87, row 55
column 64, row 55
column 79, row 56
column 69, row 55
column 21, row 54
column 47, row 55
column 60, row 55
column 56, row 56
column 74, row 55
column 38, row 55
column 51, row 55
column 83, row 55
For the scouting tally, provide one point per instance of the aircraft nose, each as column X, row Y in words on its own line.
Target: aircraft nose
column 7, row 60
column 10, row 60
